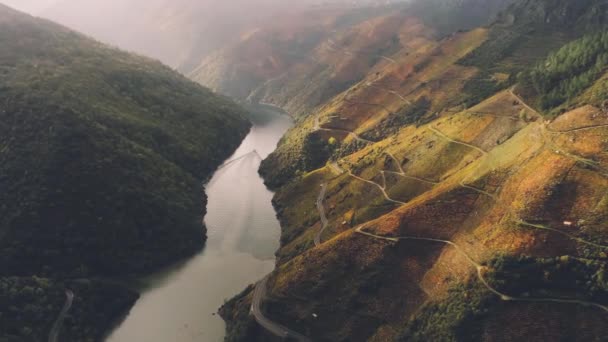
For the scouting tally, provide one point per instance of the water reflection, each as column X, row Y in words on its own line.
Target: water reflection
column 178, row 304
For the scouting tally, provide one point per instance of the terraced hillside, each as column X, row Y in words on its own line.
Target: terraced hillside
column 437, row 200
column 302, row 60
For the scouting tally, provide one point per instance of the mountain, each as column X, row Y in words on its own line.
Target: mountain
column 391, row 49
column 305, row 59
column 457, row 193
column 178, row 32
column 102, row 157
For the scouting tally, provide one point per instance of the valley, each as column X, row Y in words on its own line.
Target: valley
column 180, row 303
column 442, row 174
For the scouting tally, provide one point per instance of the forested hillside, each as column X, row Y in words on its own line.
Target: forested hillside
column 102, row 159
column 569, row 71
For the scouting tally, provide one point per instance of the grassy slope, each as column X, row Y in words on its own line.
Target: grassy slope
column 366, row 289
column 425, row 72
column 525, row 173
column 102, row 155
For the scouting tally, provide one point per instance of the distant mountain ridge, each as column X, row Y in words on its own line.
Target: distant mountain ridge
column 322, row 59
column 178, row 32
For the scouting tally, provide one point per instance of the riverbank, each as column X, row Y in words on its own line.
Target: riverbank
column 181, row 303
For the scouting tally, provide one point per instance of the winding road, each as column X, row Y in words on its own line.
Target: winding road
column 54, row 333
column 480, row 272
column 276, row 329
column 480, row 268
column 321, row 209
column 261, row 287
column 508, row 208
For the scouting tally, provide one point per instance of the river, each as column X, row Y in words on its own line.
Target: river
column 179, row 304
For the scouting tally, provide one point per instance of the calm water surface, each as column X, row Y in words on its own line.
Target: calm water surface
column 177, row 305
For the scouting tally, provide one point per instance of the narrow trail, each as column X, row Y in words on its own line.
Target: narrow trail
column 317, row 127
column 568, row 235
column 402, row 173
column 480, row 268
column 388, row 59
column 561, row 151
column 508, row 208
column 523, row 103
column 556, row 148
column 54, row 332
column 392, row 92
column 383, row 107
column 439, row 133
column 336, row 168
column 521, row 222
column 480, row 272
column 485, row 153
column 321, row 209
column 412, row 177
column 577, row 129
column 386, row 196
column 510, row 117
column 383, row 180
column 276, row 329
column 401, row 97
column 261, row 287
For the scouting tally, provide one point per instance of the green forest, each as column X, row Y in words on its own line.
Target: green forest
column 570, row 70
column 102, row 159
column 30, row 305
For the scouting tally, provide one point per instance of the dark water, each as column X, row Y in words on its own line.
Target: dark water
column 177, row 305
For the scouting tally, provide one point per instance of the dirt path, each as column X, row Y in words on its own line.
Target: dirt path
column 523, row 103
column 392, row 92
column 480, row 272
column 275, row 328
column 260, row 289
column 336, row 168
column 558, row 150
column 577, row 129
column 386, row 196
column 321, row 209
column 317, row 127
column 439, row 133
column 54, row 333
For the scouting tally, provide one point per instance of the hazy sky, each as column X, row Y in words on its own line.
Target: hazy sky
column 178, row 32
column 30, row 6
